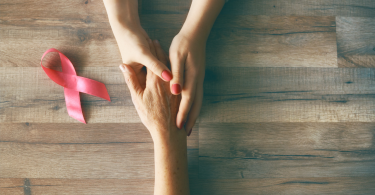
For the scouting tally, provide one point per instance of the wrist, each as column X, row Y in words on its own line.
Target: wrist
column 168, row 136
column 122, row 13
column 194, row 33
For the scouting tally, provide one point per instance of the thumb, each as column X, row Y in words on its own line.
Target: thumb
column 131, row 80
column 157, row 67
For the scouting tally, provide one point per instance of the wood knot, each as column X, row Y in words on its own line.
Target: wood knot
column 82, row 35
column 87, row 20
column 56, row 107
column 101, row 37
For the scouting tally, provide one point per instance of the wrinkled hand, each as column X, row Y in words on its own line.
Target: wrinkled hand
column 187, row 57
column 155, row 104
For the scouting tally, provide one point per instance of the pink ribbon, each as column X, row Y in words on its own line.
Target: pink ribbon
column 74, row 84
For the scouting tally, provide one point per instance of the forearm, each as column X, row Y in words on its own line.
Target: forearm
column 124, row 12
column 201, row 18
column 126, row 27
column 171, row 169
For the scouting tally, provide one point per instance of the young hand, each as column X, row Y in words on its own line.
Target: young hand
column 132, row 39
column 187, row 57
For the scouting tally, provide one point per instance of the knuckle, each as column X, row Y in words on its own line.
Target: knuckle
column 128, row 81
column 189, row 98
column 193, row 72
column 177, row 72
column 175, row 55
column 153, row 65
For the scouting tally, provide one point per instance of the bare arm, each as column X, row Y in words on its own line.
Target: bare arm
column 132, row 39
column 201, row 18
column 171, row 169
column 187, row 55
column 157, row 108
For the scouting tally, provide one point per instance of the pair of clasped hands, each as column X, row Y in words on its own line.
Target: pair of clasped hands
column 186, row 57
column 186, row 77
column 155, row 89
column 167, row 98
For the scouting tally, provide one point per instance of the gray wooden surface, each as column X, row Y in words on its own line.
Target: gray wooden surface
column 288, row 107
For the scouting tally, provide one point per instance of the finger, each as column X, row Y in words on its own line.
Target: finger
column 187, row 99
column 151, row 78
column 178, row 69
column 149, row 60
column 195, row 109
column 131, row 80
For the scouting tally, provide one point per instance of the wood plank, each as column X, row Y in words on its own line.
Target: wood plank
column 355, row 42
column 259, row 95
column 329, row 185
column 28, row 95
column 286, row 150
column 33, row 150
column 320, row 185
column 12, row 186
column 23, row 47
column 240, row 95
column 69, row 13
column 352, row 8
column 260, row 41
column 264, row 41
column 248, row 41
column 93, row 14
column 92, row 186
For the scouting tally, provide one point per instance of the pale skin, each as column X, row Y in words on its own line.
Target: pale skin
column 168, row 115
column 186, row 54
column 157, row 108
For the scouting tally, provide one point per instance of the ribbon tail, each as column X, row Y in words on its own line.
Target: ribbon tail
column 92, row 87
column 73, row 104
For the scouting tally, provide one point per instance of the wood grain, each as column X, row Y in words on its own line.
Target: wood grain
column 287, row 186
column 259, row 95
column 263, row 150
column 355, row 42
column 92, row 186
column 81, row 151
column 239, row 95
column 352, row 8
column 278, row 117
column 69, row 13
column 326, row 185
column 264, row 41
column 12, row 186
column 23, row 47
column 238, row 41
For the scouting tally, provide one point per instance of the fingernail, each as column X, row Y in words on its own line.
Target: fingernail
column 182, row 124
column 122, row 68
column 176, row 88
column 156, row 41
column 166, row 75
column 190, row 132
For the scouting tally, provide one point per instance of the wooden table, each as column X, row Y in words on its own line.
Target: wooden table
column 288, row 107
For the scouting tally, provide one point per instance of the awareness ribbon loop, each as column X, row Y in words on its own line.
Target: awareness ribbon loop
column 74, row 84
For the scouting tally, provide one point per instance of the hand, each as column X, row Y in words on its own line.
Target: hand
column 155, row 104
column 187, row 57
column 132, row 39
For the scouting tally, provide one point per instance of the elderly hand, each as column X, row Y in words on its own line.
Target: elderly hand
column 155, row 104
